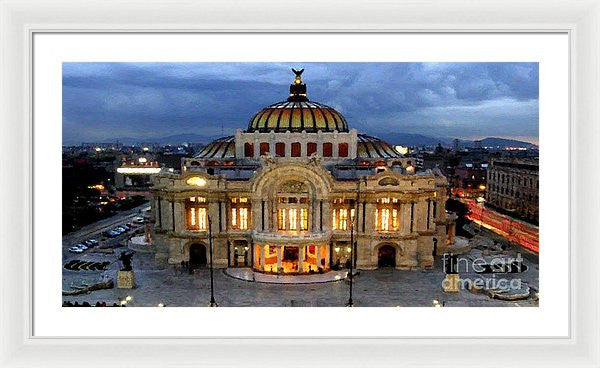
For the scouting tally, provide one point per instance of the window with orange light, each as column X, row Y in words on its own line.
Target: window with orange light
column 240, row 213
column 343, row 213
column 387, row 214
column 196, row 211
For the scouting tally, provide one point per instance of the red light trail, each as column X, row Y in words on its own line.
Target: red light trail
column 514, row 230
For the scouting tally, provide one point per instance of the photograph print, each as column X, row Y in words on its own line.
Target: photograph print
column 300, row 184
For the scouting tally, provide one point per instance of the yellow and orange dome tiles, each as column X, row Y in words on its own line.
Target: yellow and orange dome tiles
column 297, row 116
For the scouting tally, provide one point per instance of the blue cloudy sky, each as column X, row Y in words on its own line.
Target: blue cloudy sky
column 105, row 101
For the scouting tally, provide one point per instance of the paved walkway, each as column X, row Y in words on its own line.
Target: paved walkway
column 379, row 288
column 247, row 274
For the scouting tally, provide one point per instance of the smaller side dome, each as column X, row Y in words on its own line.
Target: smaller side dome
column 219, row 148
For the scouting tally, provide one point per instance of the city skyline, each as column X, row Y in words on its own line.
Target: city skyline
column 145, row 101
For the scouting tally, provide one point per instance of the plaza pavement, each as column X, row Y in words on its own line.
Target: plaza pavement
column 379, row 288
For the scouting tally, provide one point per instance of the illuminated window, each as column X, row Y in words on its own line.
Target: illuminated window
column 197, row 218
column 335, row 221
column 243, row 218
column 293, row 218
column 202, row 219
column 239, row 213
column 292, row 213
column 281, row 217
column 343, row 219
column 387, row 215
column 303, row 219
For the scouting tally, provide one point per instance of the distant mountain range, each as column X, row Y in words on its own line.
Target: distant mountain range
column 406, row 139
column 403, row 139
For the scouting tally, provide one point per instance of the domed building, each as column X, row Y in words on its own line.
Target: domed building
column 287, row 194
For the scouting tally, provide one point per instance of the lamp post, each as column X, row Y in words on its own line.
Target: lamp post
column 212, row 303
column 350, row 302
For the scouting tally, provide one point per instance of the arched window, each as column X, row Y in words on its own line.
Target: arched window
column 293, row 207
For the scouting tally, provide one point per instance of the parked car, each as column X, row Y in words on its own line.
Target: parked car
column 91, row 243
column 75, row 250
column 81, row 245
column 111, row 233
column 139, row 220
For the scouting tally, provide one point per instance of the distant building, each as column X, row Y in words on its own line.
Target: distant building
column 469, row 179
column 135, row 174
column 513, row 186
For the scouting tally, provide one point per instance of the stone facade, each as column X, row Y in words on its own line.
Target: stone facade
column 294, row 201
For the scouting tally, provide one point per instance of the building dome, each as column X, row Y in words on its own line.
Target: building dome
column 297, row 114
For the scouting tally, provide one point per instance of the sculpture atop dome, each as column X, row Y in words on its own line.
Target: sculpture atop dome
column 298, row 89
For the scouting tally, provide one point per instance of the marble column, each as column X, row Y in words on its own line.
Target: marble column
column 179, row 216
column 279, row 254
column 262, row 257
column 370, row 209
column 301, row 258
column 318, row 255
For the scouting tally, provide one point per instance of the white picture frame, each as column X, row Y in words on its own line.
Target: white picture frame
column 20, row 20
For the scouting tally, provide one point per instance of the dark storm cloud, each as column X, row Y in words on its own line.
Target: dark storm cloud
column 104, row 101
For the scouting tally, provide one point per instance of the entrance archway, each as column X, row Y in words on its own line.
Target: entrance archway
column 386, row 256
column 197, row 255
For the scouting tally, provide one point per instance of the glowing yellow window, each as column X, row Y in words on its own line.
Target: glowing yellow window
column 281, row 217
column 293, row 216
column 243, row 218
column 335, row 223
column 343, row 219
column 202, row 219
column 385, row 218
column 303, row 219
column 234, row 217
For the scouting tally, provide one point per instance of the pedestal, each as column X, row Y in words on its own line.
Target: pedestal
column 125, row 280
column 451, row 283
